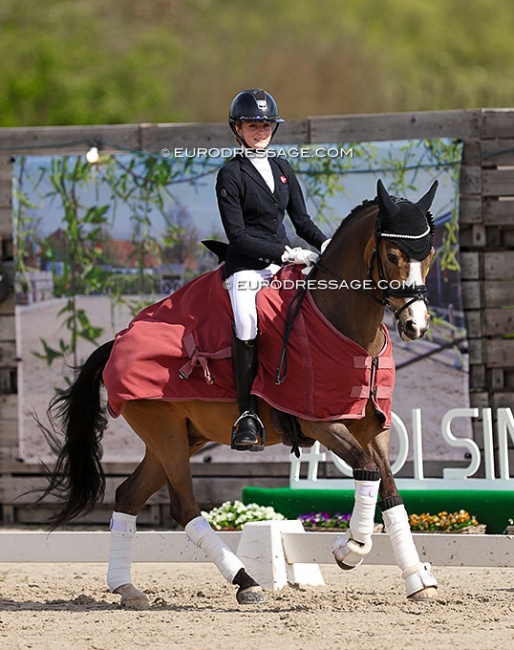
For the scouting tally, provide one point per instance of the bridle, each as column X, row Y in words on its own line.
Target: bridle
column 414, row 292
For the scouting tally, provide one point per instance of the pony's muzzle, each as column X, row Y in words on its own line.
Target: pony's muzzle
column 410, row 330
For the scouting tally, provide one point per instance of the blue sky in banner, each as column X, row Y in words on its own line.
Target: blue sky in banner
column 353, row 179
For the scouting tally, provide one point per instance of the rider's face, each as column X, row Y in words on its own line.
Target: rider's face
column 257, row 135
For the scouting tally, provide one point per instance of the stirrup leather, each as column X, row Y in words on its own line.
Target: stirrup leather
column 261, row 433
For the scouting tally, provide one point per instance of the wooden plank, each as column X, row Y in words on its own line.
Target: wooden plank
column 479, row 399
column 8, row 356
column 471, row 294
column 57, row 140
column 99, row 516
column 508, row 379
column 503, row 400
column 470, row 179
column 5, row 194
column 477, row 377
column 476, row 351
column 6, row 220
column 8, row 407
column 499, row 265
column 9, row 432
column 470, row 209
column 497, row 378
column 497, row 151
column 8, row 380
column 498, row 182
column 499, row 293
column 207, row 490
column 214, row 470
column 474, row 323
column 499, row 321
column 215, row 135
column 472, row 151
column 8, row 453
column 507, row 237
column 470, row 265
column 500, row 353
column 7, row 330
column 7, row 307
column 395, row 126
column 497, row 123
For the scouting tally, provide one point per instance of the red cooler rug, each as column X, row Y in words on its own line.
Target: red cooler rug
column 179, row 349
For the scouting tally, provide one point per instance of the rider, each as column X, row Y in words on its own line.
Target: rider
column 254, row 190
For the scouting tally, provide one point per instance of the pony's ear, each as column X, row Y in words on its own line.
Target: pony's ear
column 426, row 201
column 385, row 202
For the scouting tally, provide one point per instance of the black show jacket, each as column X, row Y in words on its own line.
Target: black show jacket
column 253, row 216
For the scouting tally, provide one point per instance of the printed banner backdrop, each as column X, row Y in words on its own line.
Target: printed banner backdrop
column 95, row 243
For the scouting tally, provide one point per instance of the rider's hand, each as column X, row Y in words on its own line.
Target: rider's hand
column 325, row 244
column 299, row 256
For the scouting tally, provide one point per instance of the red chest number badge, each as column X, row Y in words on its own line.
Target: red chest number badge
column 283, row 179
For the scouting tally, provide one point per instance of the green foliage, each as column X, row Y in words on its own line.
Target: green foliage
column 167, row 60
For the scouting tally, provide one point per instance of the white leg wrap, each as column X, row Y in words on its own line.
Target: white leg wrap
column 416, row 574
column 362, row 521
column 351, row 547
column 123, row 529
column 199, row 531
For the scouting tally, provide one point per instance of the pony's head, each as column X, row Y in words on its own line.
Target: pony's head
column 404, row 237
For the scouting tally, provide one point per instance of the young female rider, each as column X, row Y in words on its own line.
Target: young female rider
column 254, row 190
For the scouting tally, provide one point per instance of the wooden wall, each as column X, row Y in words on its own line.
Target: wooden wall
column 486, row 239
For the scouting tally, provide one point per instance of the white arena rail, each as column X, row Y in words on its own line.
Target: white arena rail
column 275, row 553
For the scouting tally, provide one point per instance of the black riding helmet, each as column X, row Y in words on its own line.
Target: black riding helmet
column 253, row 105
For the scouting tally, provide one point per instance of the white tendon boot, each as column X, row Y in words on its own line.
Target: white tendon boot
column 419, row 581
column 351, row 548
column 123, row 529
column 199, row 531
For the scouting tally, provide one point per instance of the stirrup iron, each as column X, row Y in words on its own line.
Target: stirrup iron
column 260, row 434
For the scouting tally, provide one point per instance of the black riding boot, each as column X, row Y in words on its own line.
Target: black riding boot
column 248, row 427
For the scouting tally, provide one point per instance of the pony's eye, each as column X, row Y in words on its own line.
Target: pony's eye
column 393, row 258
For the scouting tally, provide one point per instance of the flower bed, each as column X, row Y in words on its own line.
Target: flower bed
column 233, row 516
column 444, row 522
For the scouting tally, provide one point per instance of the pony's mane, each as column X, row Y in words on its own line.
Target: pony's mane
column 355, row 212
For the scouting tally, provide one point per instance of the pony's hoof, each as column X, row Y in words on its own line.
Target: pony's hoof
column 347, row 567
column 132, row 598
column 251, row 595
column 348, row 553
column 425, row 594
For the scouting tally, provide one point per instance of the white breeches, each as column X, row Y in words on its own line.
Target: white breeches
column 242, row 287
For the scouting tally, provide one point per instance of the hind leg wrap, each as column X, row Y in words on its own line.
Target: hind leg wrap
column 123, row 529
column 350, row 548
column 199, row 531
column 416, row 574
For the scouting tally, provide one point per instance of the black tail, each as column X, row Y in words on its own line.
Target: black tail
column 78, row 480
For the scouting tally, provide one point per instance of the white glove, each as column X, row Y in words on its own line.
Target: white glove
column 299, row 256
column 325, row 244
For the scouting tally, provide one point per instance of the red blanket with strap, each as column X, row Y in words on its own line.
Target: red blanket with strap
column 179, row 349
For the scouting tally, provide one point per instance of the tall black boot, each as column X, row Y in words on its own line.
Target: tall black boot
column 248, row 428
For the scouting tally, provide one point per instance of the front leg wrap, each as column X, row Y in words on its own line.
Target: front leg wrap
column 199, row 531
column 350, row 548
column 417, row 575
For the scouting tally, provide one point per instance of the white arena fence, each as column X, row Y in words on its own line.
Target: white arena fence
column 275, row 553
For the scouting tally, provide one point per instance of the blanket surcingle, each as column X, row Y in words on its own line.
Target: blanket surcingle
column 180, row 349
